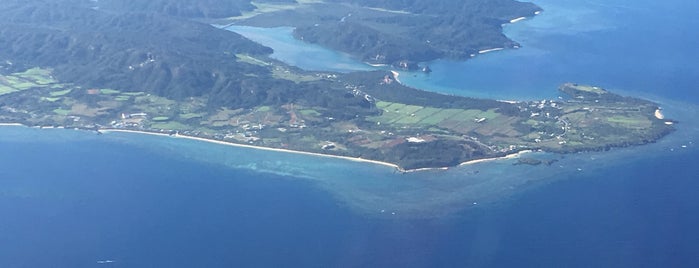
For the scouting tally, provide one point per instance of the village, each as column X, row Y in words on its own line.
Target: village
column 589, row 119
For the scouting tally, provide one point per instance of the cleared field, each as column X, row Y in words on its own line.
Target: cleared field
column 591, row 89
column 630, row 122
column 251, row 60
column 459, row 120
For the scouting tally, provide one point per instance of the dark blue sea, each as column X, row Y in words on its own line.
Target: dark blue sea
column 76, row 199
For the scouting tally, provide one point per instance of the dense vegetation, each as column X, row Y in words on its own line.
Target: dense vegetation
column 146, row 51
column 395, row 31
column 154, row 66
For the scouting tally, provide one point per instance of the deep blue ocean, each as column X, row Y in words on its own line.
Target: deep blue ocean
column 76, row 199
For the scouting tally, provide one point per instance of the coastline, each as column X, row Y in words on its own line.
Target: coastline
column 376, row 65
column 354, row 159
column 509, row 156
column 396, row 74
column 490, row 50
column 518, row 19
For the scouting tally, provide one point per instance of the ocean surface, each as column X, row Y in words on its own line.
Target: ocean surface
column 76, row 199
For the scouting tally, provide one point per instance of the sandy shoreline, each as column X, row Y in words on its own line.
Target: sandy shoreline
column 518, row 19
column 659, row 114
column 378, row 65
column 355, row 159
column 509, row 156
column 490, row 50
column 395, row 76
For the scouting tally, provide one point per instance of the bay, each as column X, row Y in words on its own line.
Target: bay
column 72, row 199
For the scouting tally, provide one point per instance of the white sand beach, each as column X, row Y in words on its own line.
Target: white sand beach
column 490, row 50
column 395, row 76
column 659, row 114
column 518, row 19
column 253, row 146
column 356, row 159
column 509, row 156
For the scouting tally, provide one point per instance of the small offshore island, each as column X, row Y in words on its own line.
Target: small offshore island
column 156, row 72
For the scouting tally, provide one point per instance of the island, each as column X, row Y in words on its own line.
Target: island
column 164, row 69
column 397, row 33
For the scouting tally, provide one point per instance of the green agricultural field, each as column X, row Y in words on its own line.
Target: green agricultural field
column 591, row 89
column 187, row 116
column 417, row 116
column 19, row 83
column 263, row 109
column 7, row 90
column 630, row 122
column 122, row 98
column 161, row 118
column 251, row 60
column 440, row 116
column 459, row 120
column 170, row 125
column 403, row 109
column 285, row 74
column 383, row 104
column 133, row 94
column 107, row 91
column 49, row 99
column 60, row 111
column 262, row 8
column 38, row 75
column 60, row 93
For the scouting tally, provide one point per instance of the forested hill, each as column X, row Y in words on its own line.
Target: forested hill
column 185, row 8
column 161, row 47
column 500, row 9
column 149, row 51
column 389, row 32
column 140, row 51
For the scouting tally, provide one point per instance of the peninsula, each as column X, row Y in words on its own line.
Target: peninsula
column 102, row 66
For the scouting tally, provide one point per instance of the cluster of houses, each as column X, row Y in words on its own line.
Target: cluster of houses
column 134, row 120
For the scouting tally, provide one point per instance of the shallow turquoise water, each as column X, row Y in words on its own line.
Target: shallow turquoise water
column 72, row 198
